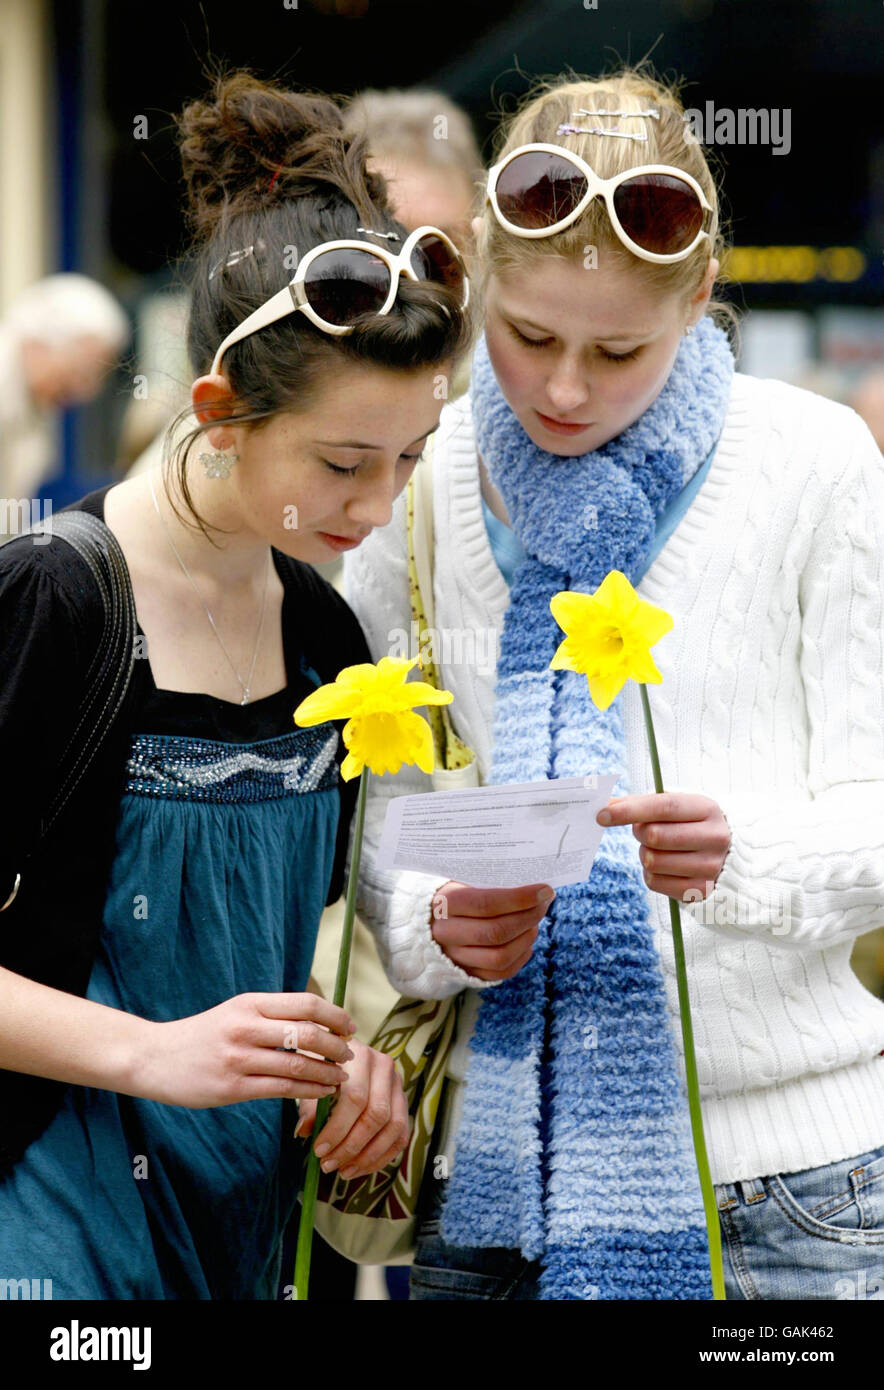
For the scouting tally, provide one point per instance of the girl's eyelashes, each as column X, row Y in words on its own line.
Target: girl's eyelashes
column 544, row 342
column 336, row 468
column 619, row 356
column 529, row 342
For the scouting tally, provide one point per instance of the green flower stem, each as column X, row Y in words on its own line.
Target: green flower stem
column 311, row 1179
column 712, row 1227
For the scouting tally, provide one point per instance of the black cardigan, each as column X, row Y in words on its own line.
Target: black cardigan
column 51, row 619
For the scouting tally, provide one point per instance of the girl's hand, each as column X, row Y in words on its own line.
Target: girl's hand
column 251, row 1047
column 489, row 932
column 684, row 837
column 369, row 1125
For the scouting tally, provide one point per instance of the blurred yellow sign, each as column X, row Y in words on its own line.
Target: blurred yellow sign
column 773, row 264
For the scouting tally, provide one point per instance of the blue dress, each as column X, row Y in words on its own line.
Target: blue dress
column 225, row 845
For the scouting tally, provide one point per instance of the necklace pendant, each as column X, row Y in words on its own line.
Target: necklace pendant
column 245, row 698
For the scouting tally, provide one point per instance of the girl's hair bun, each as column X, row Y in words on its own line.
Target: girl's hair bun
column 246, row 131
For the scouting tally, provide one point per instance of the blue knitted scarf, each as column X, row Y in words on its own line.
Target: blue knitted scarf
column 612, row 1204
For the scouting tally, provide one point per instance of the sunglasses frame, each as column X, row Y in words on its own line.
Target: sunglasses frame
column 595, row 187
column 293, row 297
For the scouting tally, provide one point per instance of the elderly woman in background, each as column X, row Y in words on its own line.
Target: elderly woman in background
column 57, row 341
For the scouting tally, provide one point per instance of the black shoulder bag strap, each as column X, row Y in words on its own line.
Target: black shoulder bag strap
column 110, row 672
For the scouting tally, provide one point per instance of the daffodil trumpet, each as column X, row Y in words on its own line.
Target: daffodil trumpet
column 381, row 734
column 608, row 637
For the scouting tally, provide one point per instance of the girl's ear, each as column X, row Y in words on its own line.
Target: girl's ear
column 699, row 301
column 211, row 398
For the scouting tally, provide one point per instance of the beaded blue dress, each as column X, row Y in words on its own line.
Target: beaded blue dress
column 225, row 845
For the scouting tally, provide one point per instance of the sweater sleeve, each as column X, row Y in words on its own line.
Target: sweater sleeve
column 396, row 906
column 809, row 872
column 41, row 654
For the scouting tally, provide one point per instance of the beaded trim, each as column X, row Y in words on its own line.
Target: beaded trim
column 197, row 769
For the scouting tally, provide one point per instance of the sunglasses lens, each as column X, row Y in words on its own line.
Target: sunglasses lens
column 538, row 189
column 661, row 213
column 340, row 285
column 432, row 259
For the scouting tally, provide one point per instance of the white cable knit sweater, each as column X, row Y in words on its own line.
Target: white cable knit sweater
column 772, row 703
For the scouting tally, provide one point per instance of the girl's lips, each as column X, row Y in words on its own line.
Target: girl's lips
column 340, row 542
column 559, row 426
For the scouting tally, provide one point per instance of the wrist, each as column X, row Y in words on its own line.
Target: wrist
column 134, row 1065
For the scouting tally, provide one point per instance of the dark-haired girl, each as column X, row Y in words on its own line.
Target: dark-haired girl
column 156, row 1021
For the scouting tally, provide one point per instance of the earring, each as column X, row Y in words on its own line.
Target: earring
column 219, row 463
column 689, row 330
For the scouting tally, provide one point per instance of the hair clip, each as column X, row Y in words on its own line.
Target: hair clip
column 390, row 236
column 233, row 259
column 581, row 111
column 598, row 130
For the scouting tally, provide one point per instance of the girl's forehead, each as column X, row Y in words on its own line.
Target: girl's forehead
column 568, row 291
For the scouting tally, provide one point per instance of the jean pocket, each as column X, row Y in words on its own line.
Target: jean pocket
column 843, row 1201
column 436, row 1282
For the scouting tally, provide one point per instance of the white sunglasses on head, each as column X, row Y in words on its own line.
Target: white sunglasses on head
column 656, row 210
column 338, row 281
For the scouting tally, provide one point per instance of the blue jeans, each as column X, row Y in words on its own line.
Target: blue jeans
column 818, row 1234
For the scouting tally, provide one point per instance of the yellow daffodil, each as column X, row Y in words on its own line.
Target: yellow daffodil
column 608, row 636
column 383, row 731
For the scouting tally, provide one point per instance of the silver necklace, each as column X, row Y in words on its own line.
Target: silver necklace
column 245, row 686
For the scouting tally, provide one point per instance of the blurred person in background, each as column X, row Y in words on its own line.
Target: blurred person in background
column 423, row 144
column 58, row 340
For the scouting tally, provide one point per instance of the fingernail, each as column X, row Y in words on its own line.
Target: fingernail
column 347, row 1173
column 604, row 817
column 321, row 1149
column 329, row 1165
column 545, row 896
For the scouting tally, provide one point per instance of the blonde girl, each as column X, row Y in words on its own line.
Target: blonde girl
column 606, row 428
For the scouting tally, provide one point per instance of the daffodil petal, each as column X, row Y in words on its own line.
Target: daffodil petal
column 562, row 661
column 328, row 702
column 642, row 668
column 351, row 767
column 604, row 689
column 570, row 609
column 616, row 593
column 421, row 693
column 652, row 622
column 425, row 755
column 363, row 674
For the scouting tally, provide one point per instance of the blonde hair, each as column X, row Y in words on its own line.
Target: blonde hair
column 554, row 103
column 405, row 125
